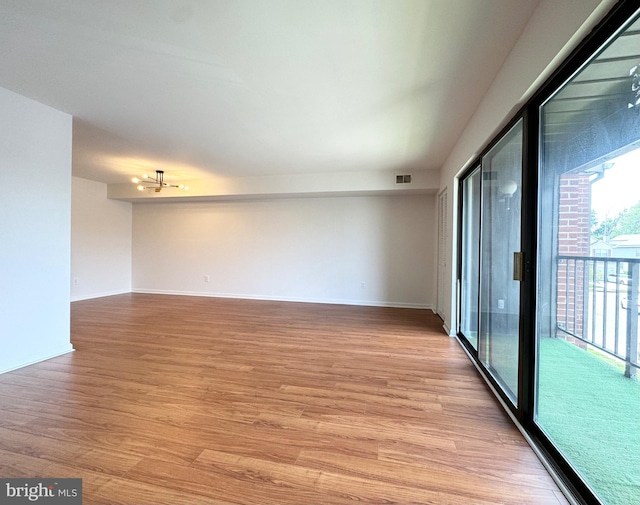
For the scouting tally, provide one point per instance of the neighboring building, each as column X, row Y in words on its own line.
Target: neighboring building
column 600, row 249
column 626, row 246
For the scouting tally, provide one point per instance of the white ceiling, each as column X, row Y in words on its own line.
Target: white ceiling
column 257, row 87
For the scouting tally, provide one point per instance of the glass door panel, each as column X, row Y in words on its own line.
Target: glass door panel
column 498, row 340
column 587, row 398
column 470, row 275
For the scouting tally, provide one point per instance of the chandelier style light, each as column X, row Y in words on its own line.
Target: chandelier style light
column 156, row 183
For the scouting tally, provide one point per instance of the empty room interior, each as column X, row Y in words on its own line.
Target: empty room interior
column 320, row 251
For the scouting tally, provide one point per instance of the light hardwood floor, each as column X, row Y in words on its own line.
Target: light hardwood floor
column 188, row 400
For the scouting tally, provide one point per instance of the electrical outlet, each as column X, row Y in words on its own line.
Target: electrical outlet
column 207, row 278
column 501, row 304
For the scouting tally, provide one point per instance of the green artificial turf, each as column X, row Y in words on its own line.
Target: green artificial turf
column 591, row 411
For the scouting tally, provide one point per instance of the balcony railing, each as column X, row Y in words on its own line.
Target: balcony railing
column 597, row 303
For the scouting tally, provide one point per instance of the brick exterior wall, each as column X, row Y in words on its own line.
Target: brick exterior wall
column 574, row 229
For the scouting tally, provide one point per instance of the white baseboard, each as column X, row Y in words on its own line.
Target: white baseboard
column 37, row 359
column 365, row 303
column 99, row 295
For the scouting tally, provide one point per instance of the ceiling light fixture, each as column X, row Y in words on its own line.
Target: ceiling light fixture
column 156, row 183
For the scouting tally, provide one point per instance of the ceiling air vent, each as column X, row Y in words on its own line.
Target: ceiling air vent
column 403, row 179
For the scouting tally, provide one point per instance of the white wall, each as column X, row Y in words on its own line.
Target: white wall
column 555, row 28
column 100, row 242
column 35, row 209
column 375, row 250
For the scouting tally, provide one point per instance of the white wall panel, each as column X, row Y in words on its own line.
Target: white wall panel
column 100, row 242
column 35, row 210
column 354, row 250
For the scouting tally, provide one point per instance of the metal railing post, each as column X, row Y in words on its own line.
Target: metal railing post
column 630, row 370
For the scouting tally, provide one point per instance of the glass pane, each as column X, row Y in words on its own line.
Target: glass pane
column 470, row 256
column 588, row 401
column 499, row 293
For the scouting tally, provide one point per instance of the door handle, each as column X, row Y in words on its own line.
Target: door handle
column 518, row 266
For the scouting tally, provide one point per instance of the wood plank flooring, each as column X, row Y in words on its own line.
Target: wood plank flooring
column 188, row 401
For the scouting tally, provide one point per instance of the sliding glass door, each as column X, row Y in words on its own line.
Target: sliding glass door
column 490, row 235
column 558, row 335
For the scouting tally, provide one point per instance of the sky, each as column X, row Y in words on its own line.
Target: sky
column 620, row 187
